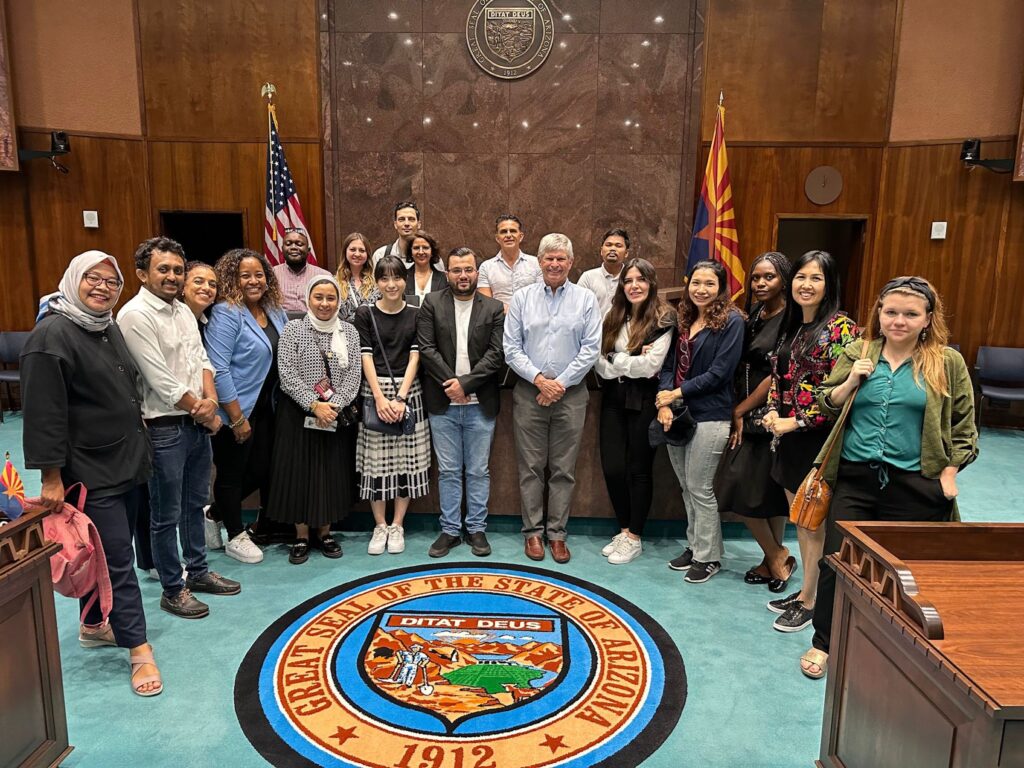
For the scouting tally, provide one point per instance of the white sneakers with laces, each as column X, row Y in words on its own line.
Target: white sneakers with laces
column 626, row 549
column 243, row 549
column 378, row 541
column 610, row 546
column 396, row 539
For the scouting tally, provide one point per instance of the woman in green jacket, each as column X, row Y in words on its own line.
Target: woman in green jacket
column 910, row 429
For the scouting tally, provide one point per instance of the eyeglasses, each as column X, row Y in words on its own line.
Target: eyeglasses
column 92, row 279
column 462, row 271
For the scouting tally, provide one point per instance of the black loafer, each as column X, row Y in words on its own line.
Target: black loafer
column 330, row 547
column 299, row 552
column 753, row 577
column 779, row 585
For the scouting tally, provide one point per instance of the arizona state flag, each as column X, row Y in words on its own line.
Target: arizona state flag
column 12, row 491
column 714, row 225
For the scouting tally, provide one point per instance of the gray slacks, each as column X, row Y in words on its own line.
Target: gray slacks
column 547, row 437
column 695, row 464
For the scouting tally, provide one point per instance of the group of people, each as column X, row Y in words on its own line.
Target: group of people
column 316, row 389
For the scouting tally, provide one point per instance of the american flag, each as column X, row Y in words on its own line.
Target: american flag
column 283, row 210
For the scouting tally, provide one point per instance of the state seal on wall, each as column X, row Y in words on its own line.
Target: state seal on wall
column 462, row 666
column 510, row 38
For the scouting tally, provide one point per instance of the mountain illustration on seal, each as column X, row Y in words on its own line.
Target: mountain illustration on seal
column 454, row 673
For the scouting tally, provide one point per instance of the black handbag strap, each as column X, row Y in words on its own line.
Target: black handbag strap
column 383, row 350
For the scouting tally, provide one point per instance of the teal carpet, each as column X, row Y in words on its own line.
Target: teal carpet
column 748, row 704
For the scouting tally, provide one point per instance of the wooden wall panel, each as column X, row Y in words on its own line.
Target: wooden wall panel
column 800, row 70
column 229, row 176
column 203, row 65
column 976, row 268
column 43, row 229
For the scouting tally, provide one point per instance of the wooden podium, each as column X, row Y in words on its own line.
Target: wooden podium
column 927, row 654
column 33, row 727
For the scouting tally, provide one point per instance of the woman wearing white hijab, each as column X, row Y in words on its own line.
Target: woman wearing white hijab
column 83, row 424
column 314, row 441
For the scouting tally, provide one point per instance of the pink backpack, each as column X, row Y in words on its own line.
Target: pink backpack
column 80, row 568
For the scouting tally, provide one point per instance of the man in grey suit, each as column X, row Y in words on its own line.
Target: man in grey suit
column 460, row 341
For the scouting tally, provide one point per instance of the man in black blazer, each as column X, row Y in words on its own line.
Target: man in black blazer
column 460, row 341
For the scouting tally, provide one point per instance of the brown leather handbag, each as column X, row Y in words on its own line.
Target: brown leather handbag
column 810, row 505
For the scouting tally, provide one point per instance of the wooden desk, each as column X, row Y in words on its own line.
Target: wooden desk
column 33, row 726
column 927, row 662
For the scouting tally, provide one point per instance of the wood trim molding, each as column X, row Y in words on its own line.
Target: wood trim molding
column 86, row 134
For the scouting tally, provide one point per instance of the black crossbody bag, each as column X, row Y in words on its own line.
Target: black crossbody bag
column 371, row 420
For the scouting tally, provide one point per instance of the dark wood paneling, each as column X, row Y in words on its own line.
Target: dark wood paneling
column 203, row 65
column 229, row 176
column 801, row 70
column 977, row 267
column 17, row 288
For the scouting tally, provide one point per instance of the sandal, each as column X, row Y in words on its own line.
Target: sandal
column 299, row 552
column 330, row 547
column 137, row 661
column 96, row 637
column 779, row 585
column 814, row 658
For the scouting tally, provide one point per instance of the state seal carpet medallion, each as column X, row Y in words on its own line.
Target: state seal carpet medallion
column 461, row 666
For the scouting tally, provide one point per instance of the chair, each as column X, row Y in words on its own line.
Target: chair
column 11, row 343
column 1000, row 376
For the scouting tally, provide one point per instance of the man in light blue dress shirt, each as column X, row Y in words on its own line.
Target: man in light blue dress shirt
column 552, row 339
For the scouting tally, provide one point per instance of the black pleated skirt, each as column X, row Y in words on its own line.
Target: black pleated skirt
column 313, row 473
column 744, row 484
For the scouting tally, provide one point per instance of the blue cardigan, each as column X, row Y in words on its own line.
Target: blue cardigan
column 240, row 352
column 708, row 387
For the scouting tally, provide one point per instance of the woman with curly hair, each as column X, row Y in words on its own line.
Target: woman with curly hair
column 814, row 332
column 637, row 335
column 699, row 371
column 241, row 340
column 909, row 432
column 355, row 276
column 425, row 272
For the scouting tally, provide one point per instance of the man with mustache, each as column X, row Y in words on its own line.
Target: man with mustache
column 552, row 338
column 460, row 339
column 604, row 279
column 407, row 221
column 179, row 406
column 295, row 273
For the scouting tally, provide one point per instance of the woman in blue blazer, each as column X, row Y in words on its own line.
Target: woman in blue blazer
column 241, row 340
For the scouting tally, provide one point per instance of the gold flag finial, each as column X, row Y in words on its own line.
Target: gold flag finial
column 268, row 91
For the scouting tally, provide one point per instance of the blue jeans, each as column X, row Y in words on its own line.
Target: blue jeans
column 462, row 439
column 178, row 491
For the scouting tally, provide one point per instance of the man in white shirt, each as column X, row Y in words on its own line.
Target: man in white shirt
column 460, row 341
column 510, row 269
column 294, row 275
column 179, row 407
column 407, row 221
column 603, row 280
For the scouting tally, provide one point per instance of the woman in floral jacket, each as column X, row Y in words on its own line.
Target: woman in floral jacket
column 813, row 337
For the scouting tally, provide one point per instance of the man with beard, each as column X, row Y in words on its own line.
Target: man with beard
column 407, row 221
column 552, row 338
column 604, row 279
column 179, row 406
column 460, row 338
column 510, row 269
column 296, row 272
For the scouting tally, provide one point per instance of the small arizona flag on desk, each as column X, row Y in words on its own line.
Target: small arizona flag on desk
column 12, row 491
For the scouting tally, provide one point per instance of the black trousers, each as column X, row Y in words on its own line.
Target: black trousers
column 859, row 495
column 143, row 544
column 626, row 455
column 242, row 469
column 114, row 518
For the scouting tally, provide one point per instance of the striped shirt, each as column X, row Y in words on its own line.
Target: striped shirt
column 293, row 284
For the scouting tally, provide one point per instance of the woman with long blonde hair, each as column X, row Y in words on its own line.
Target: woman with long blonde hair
column 909, row 431
column 355, row 276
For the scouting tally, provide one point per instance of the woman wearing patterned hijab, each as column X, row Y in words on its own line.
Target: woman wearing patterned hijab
column 83, row 424
column 314, row 441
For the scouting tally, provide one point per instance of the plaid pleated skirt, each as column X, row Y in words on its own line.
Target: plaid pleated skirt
column 393, row 466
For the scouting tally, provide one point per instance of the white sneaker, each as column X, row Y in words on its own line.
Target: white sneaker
column 211, row 530
column 626, row 549
column 396, row 540
column 155, row 576
column 610, row 546
column 243, row 550
column 378, row 541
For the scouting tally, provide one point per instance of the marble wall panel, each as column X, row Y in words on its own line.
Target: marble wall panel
column 642, row 83
column 378, row 91
column 464, row 192
column 554, row 193
column 368, row 185
column 379, row 16
column 569, row 16
column 642, row 196
column 555, row 108
column 653, row 16
column 464, row 108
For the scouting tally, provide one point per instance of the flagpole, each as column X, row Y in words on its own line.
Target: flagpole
column 267, row 91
